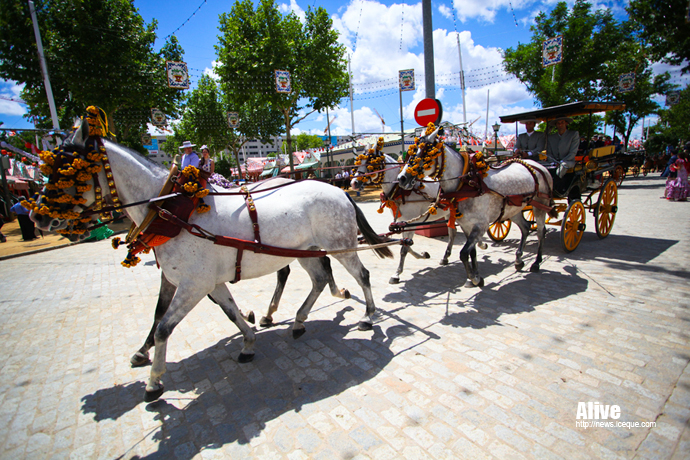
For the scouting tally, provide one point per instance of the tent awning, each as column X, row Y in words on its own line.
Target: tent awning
column 311, row 164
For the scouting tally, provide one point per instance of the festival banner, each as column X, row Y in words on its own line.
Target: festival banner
column 233, row 119
column 626, row 82
column 178, row 76
column 158, row 118
column 406, row 80
column 672, row 98
column 552, row 51
column 283, row 84
column 146, row 139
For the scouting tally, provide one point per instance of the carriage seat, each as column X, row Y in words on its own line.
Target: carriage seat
column 600, row 152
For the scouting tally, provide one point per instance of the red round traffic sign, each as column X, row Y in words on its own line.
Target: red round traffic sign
column 428, row 111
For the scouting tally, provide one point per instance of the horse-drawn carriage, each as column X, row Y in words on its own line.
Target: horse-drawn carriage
column 592, row 185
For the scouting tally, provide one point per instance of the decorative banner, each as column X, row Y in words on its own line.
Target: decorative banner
column 146, row 139
column 158, row 118
column 283, row 84
column 233, row 119
column 626, row 82
column 406, row 79
column 178, row 76
column 552, row 51
column 672, row 98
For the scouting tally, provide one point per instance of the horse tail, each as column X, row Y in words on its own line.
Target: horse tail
column 370, row 236
column 553, row 213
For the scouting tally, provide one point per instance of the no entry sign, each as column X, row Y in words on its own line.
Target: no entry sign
column 428, row 111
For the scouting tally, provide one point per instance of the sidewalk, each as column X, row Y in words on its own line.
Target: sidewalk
column 16, row 246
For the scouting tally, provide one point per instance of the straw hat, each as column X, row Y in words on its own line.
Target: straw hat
column 567, row 120
column 186, row 144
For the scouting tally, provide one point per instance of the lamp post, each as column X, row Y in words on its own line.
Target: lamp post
column 496, row 127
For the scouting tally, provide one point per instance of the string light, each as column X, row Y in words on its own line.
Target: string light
column 184, row 23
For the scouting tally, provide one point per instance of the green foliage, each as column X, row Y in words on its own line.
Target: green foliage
column 255, row 43
column 98, row 53
column 674, row 125
column 661, row 25
column 590, row 40
column 307, row 141
column 223, row 166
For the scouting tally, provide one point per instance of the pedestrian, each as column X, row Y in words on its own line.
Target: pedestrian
column 26, row 225
column 190, row 157
column 346, row 179
column 338, row 178
column 674, row 157
column 677, row 188
column 207, row 164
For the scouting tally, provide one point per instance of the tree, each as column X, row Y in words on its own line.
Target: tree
column 255, row 43
column 307, row 141
column 673, row 126
column 661, row 26
column 590, row 40
column 97, row 53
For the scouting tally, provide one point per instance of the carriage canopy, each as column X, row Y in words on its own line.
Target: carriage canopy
column 566, row 110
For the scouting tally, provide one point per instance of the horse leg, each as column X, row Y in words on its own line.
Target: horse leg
column 185, row 299
column 470, row 251
column 522, row 224
column 335, row 292
column 283, row 273
column 452, row 231
column 354, row 267
column 165, row 295
column 319, row 279
column 248, row 317
column 230, row 308
column 540, row 217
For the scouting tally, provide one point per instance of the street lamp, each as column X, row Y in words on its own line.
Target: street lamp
column 496, row 127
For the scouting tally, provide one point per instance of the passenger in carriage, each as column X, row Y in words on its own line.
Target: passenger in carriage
column 190, row 157
column 207, row 165
column 530, row 143
column 561, row 150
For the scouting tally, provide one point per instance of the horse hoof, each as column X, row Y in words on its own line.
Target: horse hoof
column 251, row 318
column 480, row 283
column 297, row 333
column 152, row 396
column 245, row 358
column 425, row 255
column 468, row 284
column 364, row 326
column 345, row 294
column 482, row 245
column 443, row 262
column 266, row 322
column 519, row 266
column 394, row 280
column 534, row 268
column 139, row 359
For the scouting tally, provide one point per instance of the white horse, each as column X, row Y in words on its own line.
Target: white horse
column 477, row 214
column 405, row 206
column 307, row 215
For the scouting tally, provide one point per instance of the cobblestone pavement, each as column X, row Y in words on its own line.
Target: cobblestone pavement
column 448, row 372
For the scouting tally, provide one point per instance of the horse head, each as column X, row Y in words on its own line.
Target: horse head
column 370, row 166
column 421, row 158
column 67, row 194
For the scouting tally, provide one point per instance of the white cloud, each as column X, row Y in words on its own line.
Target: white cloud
column 211, row 71
column 293, row 7
column 10, row 89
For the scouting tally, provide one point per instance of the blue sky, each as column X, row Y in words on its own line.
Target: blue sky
column 381, row 38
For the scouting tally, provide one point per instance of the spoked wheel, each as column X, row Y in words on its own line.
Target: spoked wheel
column 499, row 230
column 528, row 215
column 573, row 226
column 607, row 206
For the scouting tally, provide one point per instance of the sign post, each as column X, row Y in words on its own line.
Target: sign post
column 406, row 83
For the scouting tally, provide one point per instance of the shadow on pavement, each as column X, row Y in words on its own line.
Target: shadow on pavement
column 232, row 402
column 518, row 296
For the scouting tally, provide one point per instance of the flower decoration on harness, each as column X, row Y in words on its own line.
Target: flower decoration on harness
column 423, row 155
column 193, row 187
column 68, row 173
column 375, row 162
column 480, row 164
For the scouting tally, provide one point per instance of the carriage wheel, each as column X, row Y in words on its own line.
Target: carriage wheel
column 499, row 230
column 619, row 175
column 636, row 171
column 528, row 215
column 573, row 226
column 607, row 206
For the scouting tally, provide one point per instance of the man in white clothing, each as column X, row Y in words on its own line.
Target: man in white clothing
column 530, row 143
column 190, row 157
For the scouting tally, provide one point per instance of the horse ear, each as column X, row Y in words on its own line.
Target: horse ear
column 81, row 133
